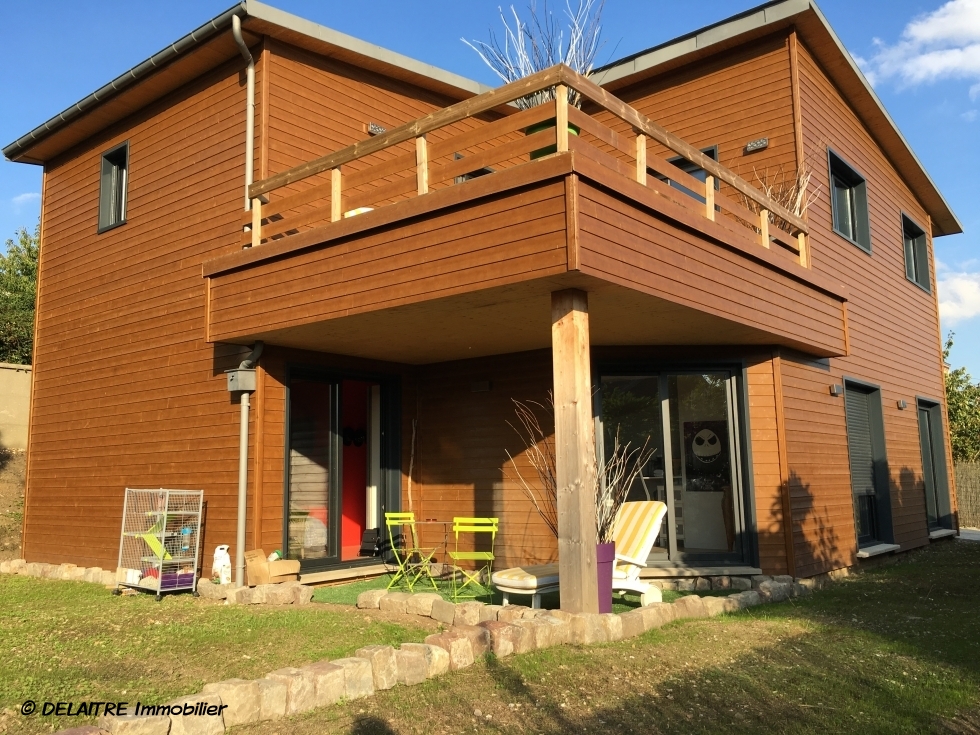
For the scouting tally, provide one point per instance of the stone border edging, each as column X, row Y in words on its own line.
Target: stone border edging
column 475, row 630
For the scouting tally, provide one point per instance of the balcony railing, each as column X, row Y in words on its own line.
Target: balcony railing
column 460, row 142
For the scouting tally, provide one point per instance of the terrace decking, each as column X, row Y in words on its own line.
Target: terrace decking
column 441, row 239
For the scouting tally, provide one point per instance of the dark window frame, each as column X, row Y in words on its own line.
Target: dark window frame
column 856, row 184
column 691, row 168
column 916, row 262
column 109, row 218
column 391, row 438
column 747, row 525
column 879, row 449
column 940, row 465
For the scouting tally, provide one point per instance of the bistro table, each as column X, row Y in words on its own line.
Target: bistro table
column 444, row 546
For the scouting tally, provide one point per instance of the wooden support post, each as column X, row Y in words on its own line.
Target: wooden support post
column 561, row 117
column 422, row 164
column 574, row 451
column 256, row 222
column 336, row 195
column 709, row 197
column 804, row 253
column 641, row 158
column 764, row 226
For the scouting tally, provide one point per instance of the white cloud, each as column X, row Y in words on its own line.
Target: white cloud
column 970, row 115
column 943, row 44
column 27, row 198
column 959, row 295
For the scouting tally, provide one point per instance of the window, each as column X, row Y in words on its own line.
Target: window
column 916, row 253
column 112, row 189
column 868, row 465
column 849, row 199
column 689, row 168
column 934, row 471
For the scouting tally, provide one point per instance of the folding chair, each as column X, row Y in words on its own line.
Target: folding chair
column 413, row 563
column 475, row 526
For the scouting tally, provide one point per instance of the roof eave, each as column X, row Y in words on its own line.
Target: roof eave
column 252, row 13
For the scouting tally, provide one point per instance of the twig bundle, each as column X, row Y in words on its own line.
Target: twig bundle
column 791, row 192
column 612, row 481
column 618, row 475
column 539, row 43
column 541, row 456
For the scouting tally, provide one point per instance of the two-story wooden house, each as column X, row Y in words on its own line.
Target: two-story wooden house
column 415, row 252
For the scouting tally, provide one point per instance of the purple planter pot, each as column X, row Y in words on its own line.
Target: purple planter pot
column 605, row 557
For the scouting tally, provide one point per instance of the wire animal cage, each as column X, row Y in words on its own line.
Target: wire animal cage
column 159, row 545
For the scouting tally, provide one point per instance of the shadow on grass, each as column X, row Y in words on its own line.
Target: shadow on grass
column 371, row 726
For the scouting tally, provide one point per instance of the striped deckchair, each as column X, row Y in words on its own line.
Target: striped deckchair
column 636, row 530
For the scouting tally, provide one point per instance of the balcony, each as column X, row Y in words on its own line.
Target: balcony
column 445, row 237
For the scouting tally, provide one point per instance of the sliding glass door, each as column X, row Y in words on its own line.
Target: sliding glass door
column 334, row 473
column 690, row 421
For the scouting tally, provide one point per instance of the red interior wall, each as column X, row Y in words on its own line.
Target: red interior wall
column 353, row 416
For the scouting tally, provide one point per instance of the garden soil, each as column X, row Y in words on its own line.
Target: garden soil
column 12, row 465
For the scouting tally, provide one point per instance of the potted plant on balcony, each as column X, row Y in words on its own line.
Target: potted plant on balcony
column 614, row 476
column 539, row 43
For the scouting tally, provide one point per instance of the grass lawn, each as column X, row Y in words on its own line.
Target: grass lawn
column 346, row 594
column 893, row 650
column 64, row 641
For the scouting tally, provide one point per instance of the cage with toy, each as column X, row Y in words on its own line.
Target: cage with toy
column 159, row 542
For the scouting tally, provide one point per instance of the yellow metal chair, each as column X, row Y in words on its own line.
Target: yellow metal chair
column 484, row 559
column 413, row 563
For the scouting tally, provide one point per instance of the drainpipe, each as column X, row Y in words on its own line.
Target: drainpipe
column 242, row 380
column 236, row 31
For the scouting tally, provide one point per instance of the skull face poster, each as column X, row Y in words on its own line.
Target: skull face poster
column 706, row 457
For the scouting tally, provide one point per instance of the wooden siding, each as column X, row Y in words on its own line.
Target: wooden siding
column 504, row 239
column 893, row 334
column 463, row 437
column 894, row 324
column 127, row 391
column 726, row 101
column 625, row 244
column 767, row 477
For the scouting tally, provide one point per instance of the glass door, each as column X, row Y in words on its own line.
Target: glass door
column 334, row 467
column 702, row 430
column 631, row 407
column 312, row 469
column 690, row 421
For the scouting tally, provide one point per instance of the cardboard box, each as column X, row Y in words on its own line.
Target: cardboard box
column 260, row 570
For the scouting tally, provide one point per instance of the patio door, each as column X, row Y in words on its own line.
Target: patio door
column 334, row 475
column 689, row 420
column 934, row 472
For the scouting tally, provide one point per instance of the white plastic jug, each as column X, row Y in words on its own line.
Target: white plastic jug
column 221, row 567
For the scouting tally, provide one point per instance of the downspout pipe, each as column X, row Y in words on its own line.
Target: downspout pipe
column 247, row 364
column 236, row 32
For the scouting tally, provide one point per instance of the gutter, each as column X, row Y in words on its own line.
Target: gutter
column 236, row 31
column 161, row 58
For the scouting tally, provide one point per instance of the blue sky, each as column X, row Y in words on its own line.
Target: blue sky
column 923, row 57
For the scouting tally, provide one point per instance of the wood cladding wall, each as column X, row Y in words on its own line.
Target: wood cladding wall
column 463, row 438
column 127, row 390
column 725, row 102
column 894, row 324
column 626, row 244
column 894, row 340
column 507, row 238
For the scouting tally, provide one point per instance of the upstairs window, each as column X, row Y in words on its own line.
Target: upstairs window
column 691, row 168
column 849, row 194
column 916, row 254
column 112, row 189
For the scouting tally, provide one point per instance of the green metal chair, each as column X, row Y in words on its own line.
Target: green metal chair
column 413, row 563
column 484, row 559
